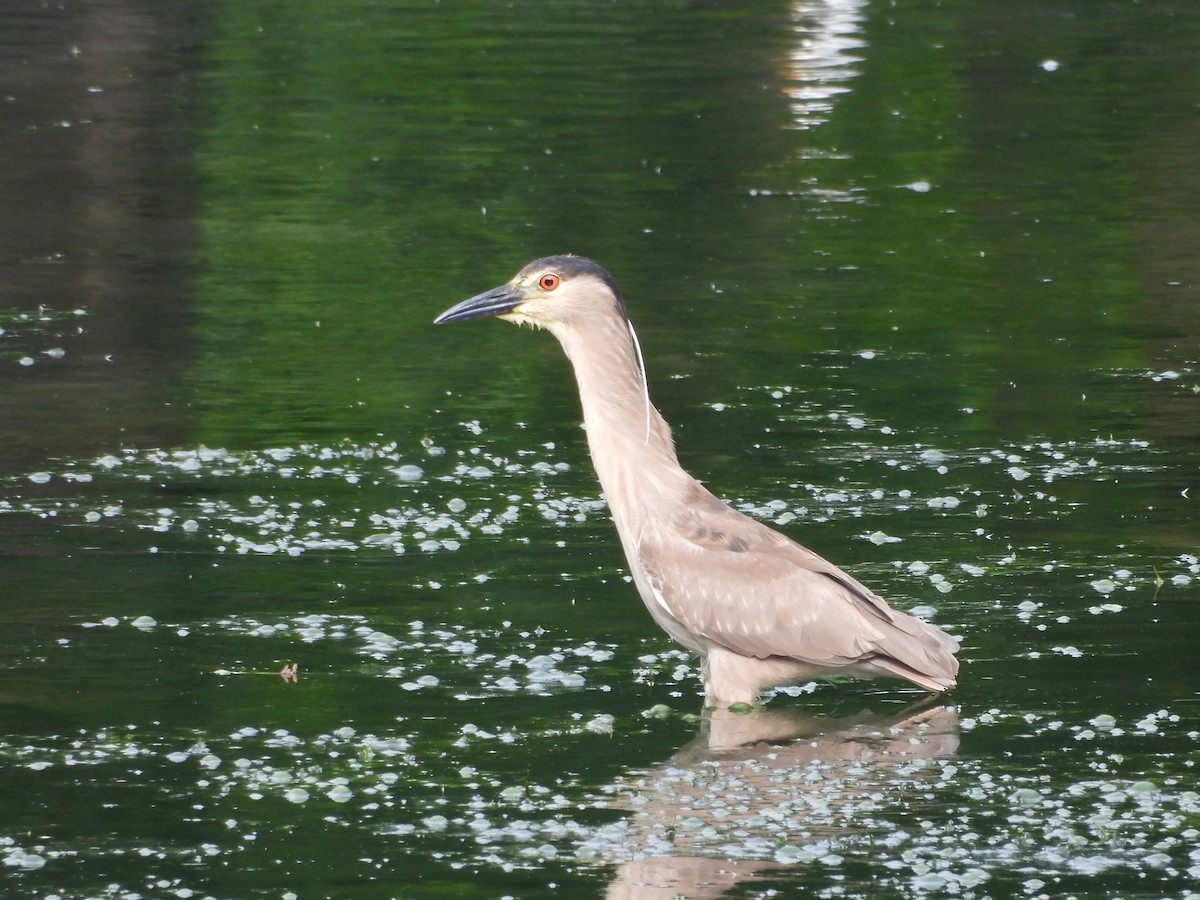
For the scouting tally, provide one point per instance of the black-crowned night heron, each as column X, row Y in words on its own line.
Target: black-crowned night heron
column 760, row 610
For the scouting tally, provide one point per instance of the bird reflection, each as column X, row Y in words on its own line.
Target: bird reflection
column 757, row 792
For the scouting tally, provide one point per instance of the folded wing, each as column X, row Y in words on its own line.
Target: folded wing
column 736, row 583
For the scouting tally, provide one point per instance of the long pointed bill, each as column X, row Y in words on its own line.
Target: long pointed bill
column 495, row 302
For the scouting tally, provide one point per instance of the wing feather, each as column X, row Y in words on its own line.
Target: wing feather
column 737, row 583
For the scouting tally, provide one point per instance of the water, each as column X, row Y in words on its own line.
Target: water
column 306, row 596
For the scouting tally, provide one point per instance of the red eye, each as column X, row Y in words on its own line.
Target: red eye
column 549, row 281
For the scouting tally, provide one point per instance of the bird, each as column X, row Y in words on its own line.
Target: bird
column 759, row 609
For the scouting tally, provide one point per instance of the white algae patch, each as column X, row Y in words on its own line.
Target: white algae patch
column 302, row 514
column 898, row 806
column 308, row 499
column 468, row 663
column 492, row 745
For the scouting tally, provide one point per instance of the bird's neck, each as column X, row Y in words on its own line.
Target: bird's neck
column 630, row 443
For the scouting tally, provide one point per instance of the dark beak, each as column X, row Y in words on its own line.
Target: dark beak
column 495, row 302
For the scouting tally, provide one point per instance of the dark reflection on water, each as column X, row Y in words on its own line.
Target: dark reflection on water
column 915, row 283
column 98, row 228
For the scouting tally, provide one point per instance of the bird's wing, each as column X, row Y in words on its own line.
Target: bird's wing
column 743, row 586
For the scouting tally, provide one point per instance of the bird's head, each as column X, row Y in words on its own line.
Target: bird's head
column 552, row 293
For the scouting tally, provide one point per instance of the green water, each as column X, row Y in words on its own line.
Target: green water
column 915, row 283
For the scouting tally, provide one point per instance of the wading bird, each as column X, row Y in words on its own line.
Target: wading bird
column 760, row 610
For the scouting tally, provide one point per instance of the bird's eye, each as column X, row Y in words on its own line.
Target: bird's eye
column 549, row 281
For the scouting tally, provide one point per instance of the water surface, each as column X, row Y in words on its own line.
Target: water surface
column 915, row 285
